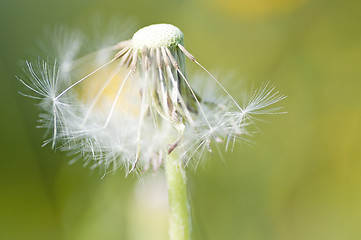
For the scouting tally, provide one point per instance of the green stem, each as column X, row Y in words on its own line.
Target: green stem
column 179, row 209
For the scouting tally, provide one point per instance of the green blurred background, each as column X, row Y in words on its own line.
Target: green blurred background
column 300, row 181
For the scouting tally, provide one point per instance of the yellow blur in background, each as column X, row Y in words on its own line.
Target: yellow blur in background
column 256, row 9
column 298, row 179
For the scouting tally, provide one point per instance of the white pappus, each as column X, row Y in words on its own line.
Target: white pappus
column 131, row 104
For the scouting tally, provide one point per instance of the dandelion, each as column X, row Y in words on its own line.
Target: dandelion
column 131, row 105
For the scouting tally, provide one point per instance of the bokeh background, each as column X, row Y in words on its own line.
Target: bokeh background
column 300, row 180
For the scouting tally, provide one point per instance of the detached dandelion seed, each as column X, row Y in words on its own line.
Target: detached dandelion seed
column 137, row 110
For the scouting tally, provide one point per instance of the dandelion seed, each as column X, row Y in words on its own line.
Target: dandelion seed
column 138, row 106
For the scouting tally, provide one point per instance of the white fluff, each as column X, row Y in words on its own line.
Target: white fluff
column 131, row 104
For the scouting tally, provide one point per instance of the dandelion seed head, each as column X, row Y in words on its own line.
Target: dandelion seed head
column 136, row 104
